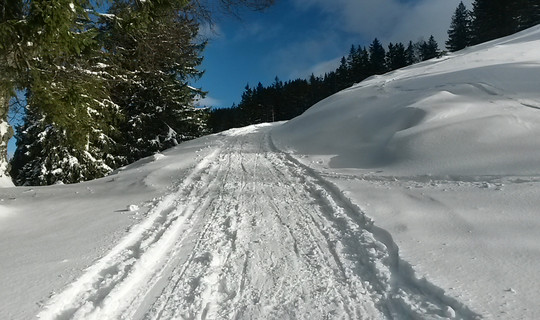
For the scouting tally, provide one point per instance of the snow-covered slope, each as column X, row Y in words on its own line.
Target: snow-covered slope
column 474, row 112
column 412, row 195
column 445, row 155
column 49, row 235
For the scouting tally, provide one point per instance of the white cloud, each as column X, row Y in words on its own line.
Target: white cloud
column 348, row 22
column 208, row 102
column 318, row 70
column 300, row 59
column 323, row 67
column 256, row 31
column 428, row 17
column 389, row 20
column 210, row 31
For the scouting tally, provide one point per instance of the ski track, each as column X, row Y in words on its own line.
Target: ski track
column 251, row 233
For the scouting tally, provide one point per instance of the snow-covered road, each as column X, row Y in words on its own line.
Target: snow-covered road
column 253, row 234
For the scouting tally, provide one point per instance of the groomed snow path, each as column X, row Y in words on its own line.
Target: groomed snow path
column 253, row 234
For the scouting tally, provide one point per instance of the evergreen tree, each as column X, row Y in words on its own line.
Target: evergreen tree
column 45, row 154
column 429, row 49
column 343, row 74
column 459, row 34
column 377, row 57
column 352, row 59
column 152, row 47
column 411, row 54
column 493, row 19
column 95, row 95
column 360, row 68
column 11, row 15
column 59, row 68
column 396, row 57
column 528, row 13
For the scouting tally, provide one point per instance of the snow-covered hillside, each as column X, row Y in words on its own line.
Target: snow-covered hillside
column 410, row 195
column 445, row 156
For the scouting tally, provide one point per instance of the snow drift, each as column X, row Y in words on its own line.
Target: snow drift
column 474, row 112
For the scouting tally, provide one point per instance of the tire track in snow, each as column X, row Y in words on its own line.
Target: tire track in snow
column 254, row 234
column 123, row 276
column 371, row 253
column 276, row 266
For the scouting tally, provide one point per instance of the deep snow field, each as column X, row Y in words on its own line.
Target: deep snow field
column 414, row 194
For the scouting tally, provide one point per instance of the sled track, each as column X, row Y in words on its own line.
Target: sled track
column 253, row 234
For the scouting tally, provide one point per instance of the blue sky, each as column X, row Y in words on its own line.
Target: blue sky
column 295, row 38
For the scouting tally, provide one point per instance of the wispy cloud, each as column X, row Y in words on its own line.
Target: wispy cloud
column 256, row 32
column 322, row 67
column 389, row 20
column 208, row 102
column 210, row 30
column 346, row 22
column 300, row 59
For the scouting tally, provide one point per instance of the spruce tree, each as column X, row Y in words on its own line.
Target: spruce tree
column 459, row 34
column 411, row 54
column 528, row 13
column 396, row 57
column 493, row 19
column 153, row 47
column 59, row 67
column 45, row 154
column 11, row 69
column 429, row 49
column 343, row 74
column 360, row 70
column 377, row 57
column 99, row 98
column 352, row 64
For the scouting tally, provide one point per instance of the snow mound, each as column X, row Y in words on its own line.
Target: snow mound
column 474, row 112
column 445, row 156
column 235, row 132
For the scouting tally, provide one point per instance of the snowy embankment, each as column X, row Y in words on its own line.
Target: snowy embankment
column 445, row 156
column 413, row 195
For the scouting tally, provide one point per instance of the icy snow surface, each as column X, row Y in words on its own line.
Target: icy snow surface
column 412, row 195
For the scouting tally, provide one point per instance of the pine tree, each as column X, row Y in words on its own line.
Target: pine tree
column 429, row 49
column 66, row 87
column 46, row 156
column 493, row 19
column 528, row 13
column 396, row 57
column 152, row 46
column 459, row 34
column 411, row 54
column 377, row 57
column 11, row 71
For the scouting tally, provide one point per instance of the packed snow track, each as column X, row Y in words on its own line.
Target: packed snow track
column 253, row 234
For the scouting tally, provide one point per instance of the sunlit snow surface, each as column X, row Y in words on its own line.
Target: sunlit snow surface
column 445, row 156
column 410, row 195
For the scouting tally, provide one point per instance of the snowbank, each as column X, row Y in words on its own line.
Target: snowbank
column 475, row 112
column 444, row 155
